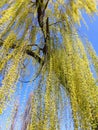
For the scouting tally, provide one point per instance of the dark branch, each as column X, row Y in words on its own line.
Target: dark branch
column 28, row 51
column 57, row 22
column 1, row 42
column 41, row 13
column 45, row 49
column 33, row 54
column 46, row 5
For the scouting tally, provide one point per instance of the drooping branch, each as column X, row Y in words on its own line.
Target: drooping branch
column 28, row 51
column 41, row 14
column 33, row 54
column 14, row 117
column 27, row 113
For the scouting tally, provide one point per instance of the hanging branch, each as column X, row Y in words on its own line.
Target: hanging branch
column 27, row 113
column 14, row 117
column 28, row 51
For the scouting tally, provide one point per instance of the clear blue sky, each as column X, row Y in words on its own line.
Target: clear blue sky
column 92, row 31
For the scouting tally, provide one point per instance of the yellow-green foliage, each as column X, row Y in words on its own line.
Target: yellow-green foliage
column 12, row 75
column 92, row 55
column 67, row 64
column 45, row 104
column 72, row 68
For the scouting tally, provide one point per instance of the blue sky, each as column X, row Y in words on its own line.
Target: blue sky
column 92, row 31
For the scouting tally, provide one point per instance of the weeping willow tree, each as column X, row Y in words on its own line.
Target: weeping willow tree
column 44, row 34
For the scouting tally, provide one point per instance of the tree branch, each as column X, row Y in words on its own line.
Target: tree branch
column 46, row 5
column 28, row 51
column 33, row 54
